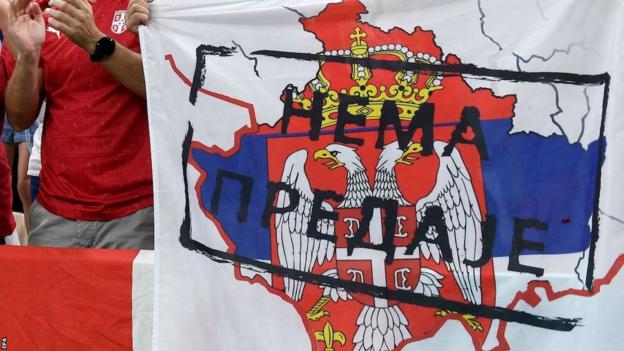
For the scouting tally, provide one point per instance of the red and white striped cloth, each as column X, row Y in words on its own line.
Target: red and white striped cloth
column 75, row 299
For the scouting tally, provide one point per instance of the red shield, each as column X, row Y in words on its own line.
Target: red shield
column 118, row 25
column 368, row 266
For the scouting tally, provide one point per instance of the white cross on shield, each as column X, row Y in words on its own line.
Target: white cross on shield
column 367, row 265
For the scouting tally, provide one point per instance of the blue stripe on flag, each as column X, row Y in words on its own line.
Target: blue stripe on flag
column 250, row 237
column 547, row 178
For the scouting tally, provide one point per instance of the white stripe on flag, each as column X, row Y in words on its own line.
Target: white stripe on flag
column 142, row 299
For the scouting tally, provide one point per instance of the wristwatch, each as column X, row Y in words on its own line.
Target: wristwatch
column 103, row 49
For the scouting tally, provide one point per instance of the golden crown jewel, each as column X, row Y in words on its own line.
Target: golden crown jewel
column 404, row 93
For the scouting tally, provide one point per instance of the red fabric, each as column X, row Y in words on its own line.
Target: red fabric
column 7, row 222
column 95, row 151
column 66, row 299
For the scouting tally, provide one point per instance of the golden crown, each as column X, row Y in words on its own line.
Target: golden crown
column 407, row 96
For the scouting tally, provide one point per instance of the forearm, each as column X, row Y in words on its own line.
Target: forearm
column 127, row 66
column 4, row 25
column 75, row 19
column 23, row 92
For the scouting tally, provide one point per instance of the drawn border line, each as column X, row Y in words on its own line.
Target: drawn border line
column 509, row 75
column 468, row 69
column 491, row 312
column 589, row 277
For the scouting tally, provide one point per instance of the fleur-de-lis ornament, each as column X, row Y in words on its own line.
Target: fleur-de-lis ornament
column 330, row 337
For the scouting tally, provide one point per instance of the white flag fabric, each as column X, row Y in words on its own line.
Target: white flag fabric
column 396, row 175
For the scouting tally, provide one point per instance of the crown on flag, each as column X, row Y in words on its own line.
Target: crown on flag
column 405, row 92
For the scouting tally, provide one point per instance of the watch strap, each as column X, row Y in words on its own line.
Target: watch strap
column 103, row 49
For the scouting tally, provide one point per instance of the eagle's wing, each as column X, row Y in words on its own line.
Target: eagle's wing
column 455, row 194
column 386, row 185
column 295, row 249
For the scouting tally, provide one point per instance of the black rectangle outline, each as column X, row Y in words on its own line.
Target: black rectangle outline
column 491, row 312
column 515, row 76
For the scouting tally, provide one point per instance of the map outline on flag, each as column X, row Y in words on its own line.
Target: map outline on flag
column 455, row 139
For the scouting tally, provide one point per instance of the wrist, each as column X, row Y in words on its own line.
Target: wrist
column 104, row 48
column 91, row 42
column 29, row 57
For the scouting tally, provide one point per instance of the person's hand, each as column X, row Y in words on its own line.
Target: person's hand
column 137, row 14
column 26, row 27
column 74, row 18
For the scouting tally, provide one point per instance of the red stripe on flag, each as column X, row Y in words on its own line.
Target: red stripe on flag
column 66, row 299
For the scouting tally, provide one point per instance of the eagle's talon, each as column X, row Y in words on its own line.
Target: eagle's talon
column 472, row 321
column 470, row 318
column 443, row 313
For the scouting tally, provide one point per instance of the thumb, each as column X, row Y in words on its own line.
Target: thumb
column 13, row 11
column 35, row 11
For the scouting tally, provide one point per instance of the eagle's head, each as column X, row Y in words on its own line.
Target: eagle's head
column 411, row 154
column 338, row 155
column 392, row 154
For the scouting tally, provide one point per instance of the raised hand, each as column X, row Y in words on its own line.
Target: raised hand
column 136, row 14
column 26, row 27
column 74, row 18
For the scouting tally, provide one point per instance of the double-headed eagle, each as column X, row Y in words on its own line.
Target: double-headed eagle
column 453, row 193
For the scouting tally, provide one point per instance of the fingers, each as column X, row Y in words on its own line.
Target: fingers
column 12, row 11
column 70, row 13
column 36, row 12
column 56, row 24
column 79, row 4
column 20, row 7
column 27, row 29
column 60, row 16
column 138, row 18
column 135, row 20
column 138, row 6
column 132, row 2
column 74, row 18
column 136, row 14
column 67, row 6
column 17, row 9
column 24, row 7
column 63, row 14
column 84, row 4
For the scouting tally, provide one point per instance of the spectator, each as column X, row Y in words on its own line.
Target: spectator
column 96, row 186
column 34, row 163
column 19, row 143
column 7, row 221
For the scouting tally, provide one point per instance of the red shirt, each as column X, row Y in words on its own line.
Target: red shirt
column 7, row 222
column 95, row 153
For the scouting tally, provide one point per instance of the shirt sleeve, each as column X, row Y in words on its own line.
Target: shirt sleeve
column 7, row 222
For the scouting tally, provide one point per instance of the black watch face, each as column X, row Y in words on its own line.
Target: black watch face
column 107, row 45
column 103, row 48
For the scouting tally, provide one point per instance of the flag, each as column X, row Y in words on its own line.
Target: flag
column 356, row 176
column 75, row 299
